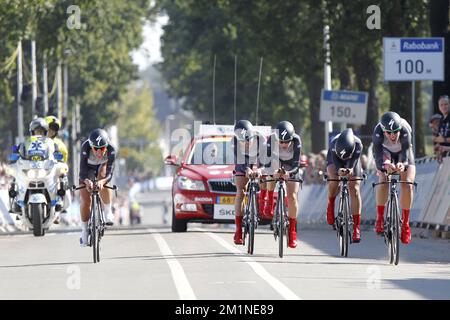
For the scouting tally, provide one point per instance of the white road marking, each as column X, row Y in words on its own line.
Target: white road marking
column 184, row 289
column 277, row 285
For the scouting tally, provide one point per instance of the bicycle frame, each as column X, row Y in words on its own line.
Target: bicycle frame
column 96, row 223
column 280, row 220
column 393, row 221
column 251, row 217
column 343, row 224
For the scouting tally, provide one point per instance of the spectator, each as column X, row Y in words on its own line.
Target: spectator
column 434, row 123
column 135, row 213
column 443, row 138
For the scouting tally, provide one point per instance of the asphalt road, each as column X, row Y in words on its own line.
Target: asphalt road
column 153, row 263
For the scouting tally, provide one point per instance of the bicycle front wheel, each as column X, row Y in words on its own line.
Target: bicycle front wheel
column 345, row 227
column 251, row 238
column 96, row 231
column 394, row 250
column 281, row 227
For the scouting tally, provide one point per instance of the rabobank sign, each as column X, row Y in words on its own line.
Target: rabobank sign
column 414, row 59
column 421, row 45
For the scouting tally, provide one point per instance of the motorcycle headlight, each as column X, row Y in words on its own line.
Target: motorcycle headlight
column 35, row 173
column 185, row 183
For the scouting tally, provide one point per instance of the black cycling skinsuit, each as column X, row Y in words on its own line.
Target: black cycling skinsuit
column 246, row 158
column 288, row 159
column 90, row 164
column 399, row 152
column 352, row 163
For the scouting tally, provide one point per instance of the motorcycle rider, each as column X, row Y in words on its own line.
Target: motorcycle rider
column 54, row 124
column 37, row 147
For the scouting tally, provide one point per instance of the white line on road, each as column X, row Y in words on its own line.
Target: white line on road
column 184, row 289
column 284, row 291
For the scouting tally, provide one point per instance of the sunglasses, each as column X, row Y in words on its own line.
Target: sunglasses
column 391, row 132
column 285, row 141
column 99, row 148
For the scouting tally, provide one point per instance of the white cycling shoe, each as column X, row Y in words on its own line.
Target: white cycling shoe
column 109, row 219
column 84, row 238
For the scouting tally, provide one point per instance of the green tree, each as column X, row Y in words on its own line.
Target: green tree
column 139, row 130
column 100, row 65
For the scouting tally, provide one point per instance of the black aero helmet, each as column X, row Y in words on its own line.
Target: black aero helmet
column 243, row 130
column 345, row 144
column 38, row 123
column 391, row 121
column 98, row 138
column 285, row 131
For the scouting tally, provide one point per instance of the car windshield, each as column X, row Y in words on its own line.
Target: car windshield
column 212, row 151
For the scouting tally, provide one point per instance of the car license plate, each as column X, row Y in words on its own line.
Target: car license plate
column 224, row 212
column 225, row 200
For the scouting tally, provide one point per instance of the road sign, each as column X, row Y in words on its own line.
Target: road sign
column 413, row 59
column 343, row 106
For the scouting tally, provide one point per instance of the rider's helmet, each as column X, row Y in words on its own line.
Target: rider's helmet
column 243, row 130
column 98, row 138
column 38, row 123
column 345, row 144
column 391, row 122
column 53, row 123
column 285, row 131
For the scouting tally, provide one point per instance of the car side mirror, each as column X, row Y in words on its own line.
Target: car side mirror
column 171, row 160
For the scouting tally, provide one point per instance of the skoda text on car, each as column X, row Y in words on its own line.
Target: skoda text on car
column 203, row 187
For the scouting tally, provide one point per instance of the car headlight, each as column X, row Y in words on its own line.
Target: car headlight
column 36, row 173
column 185, row 183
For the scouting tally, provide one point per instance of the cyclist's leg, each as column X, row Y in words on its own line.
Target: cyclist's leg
column 106, row 196
column 333, row 190
column 355, row 195
column 292, row 191
column 406, row 199
column 268, row 210
column 85, row 208
column 262, row 197
column 381, row 192
column 241, row 182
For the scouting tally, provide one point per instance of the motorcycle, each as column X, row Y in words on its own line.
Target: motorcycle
column 38, row 192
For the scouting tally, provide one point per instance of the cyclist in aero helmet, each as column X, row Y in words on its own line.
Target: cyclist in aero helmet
column 246, row 144
column 393, row 153
column 97, row 160
column 284, row 149
column 343, row 160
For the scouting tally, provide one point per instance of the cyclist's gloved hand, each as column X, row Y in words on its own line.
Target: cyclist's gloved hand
column 248, row 172
column 89, row 184
column 101, row 183
column 389, row 167
column 400, row 167
column 257, row 173
column 344, row 172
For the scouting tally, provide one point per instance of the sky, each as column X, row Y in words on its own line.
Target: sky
column 149, row 52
